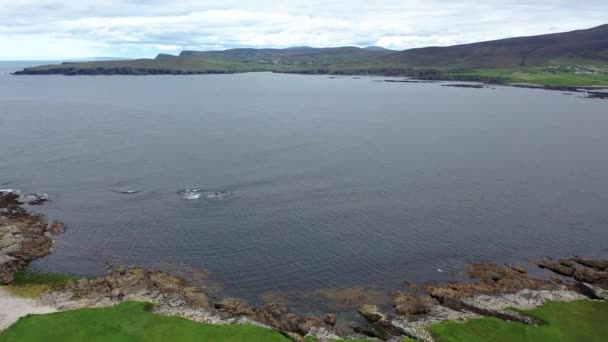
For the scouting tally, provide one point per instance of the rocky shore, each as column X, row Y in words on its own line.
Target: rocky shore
column 67, row 70
column 489, row 290
column 23, row 236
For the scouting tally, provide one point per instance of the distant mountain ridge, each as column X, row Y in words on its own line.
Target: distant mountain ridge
column 295, row 53
column 580, row 45
column 491, row 61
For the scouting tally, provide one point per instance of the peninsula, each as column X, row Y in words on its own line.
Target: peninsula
column 576, row 58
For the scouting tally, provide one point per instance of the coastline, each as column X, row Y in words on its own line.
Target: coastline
column 491, row 291
column 422, row 76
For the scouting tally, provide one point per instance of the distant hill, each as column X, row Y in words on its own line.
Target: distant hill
column 347, row 53
column 375, row 48
column 571, row 58
column 576, row 47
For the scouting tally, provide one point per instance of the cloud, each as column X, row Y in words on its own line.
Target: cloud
column 43, row 29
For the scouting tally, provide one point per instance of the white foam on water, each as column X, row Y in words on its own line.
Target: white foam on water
column 126, row 191
column 190, row 194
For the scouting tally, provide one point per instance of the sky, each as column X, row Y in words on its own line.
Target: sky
column 50, row 29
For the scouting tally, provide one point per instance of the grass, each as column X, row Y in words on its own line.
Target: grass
column 129, row 321
column 588, row 75
column 132, row 321
column 32, row 284
column 558, row 72
column 574, row 321
column 34, row 277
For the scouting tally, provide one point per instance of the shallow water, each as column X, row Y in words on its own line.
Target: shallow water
column 342, row 182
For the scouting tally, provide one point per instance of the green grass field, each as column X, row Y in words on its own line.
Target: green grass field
column 549, row 76
column 129, row 321
column 132, row 321
column 564, row 322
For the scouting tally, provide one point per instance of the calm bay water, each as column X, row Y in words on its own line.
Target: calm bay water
column 332, row 182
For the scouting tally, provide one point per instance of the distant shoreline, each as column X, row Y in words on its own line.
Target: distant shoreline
column 589, row 91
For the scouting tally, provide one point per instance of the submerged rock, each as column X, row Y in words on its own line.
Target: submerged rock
column 600, row 264
column 35, row 199
column 591, row 276
column 56, row 228
column 558, row 268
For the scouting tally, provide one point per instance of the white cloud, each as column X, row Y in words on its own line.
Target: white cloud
column 43, row 29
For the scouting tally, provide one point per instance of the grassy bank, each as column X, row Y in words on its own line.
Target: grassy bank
column 31, row 283
column 575, row 321
column 132, row 321
column 129, row 321
column 564, row 76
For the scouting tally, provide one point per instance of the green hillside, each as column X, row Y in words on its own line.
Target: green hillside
column 577, row 58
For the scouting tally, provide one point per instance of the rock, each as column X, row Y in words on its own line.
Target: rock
column 366, row 331
column 234, row 307
column 406, row 304
column 92, row 288
column 492, row 279
column 22, row 236
column 117, row 294
column 294, row 337
column 36, row 199
column 57, row 298
column 566, row 262
column 330, row 319
column 56, row 228
column 165, row 281
column 175, row 302
column 556, row 267
column 277, row 317
column 411, row 286
column 600, row 264
column 196, row 297
column 132, row 281
column 518, row 268
column 371, row 313
column 417, row 332
column 308, row 322
column 591, row 276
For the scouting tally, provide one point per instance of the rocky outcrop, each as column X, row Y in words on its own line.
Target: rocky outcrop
column 130, row 283
column 597, row 95
column 23, row 236
column 599, row 264
column 371, row 313
column 592, row 276
column 406, row 304
column 68, row 70
column 234, row 307
column 563, row 268
column 491, row 279
column 593, row 272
